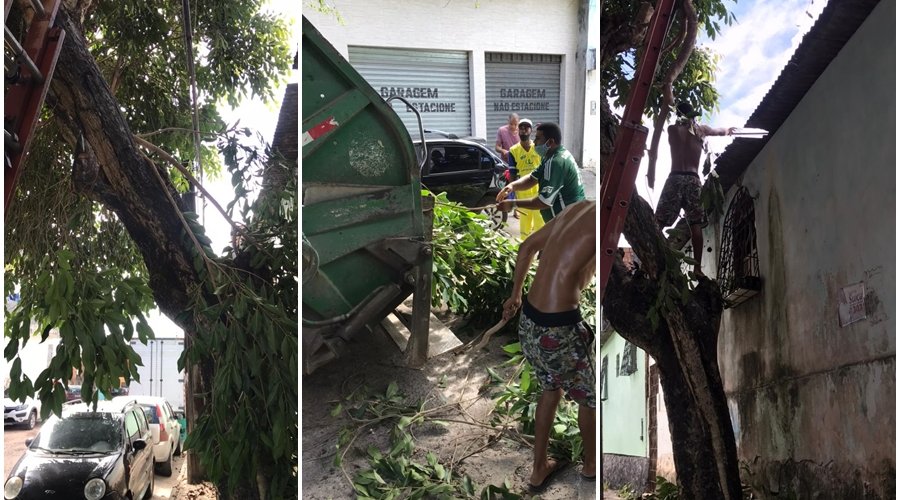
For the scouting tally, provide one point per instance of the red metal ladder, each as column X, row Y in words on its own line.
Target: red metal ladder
column 620, row 171
column 34, row 61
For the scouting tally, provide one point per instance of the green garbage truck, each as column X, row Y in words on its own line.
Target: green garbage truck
column 366, row 229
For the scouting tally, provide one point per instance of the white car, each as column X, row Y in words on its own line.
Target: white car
column 18, row 413
column 165, row 428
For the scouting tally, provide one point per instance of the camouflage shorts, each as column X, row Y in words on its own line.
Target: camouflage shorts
column 681, row 191
column 561, row 355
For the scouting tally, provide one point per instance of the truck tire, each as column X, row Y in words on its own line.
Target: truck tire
column 164, row 468
column 32, row 420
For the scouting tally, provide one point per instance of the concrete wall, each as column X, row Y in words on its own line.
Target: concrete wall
column 526, row 26
column 813, row 403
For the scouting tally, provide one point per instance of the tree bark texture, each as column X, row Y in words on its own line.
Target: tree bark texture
column 121, row 178
column 124, row 181
column 684, row 347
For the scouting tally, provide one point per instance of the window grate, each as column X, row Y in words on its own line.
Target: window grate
column 739, row 260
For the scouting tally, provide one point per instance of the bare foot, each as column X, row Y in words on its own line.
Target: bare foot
column 542, row 471
column 588, row 471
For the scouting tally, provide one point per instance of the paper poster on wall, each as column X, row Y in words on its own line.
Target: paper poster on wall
column 852, row 303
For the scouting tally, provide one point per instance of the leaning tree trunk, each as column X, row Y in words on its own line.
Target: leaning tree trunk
column 114, row 172
column 683, row 344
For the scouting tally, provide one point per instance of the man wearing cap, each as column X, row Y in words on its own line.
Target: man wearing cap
column 558, row 179
column 525, row 159
column 682, row 188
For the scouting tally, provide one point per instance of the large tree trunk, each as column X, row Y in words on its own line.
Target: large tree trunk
column 684, row 347
column 114, row 172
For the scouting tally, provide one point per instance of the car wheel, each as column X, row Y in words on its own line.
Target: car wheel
column 32, row 420
column 164, row 468
column 149, row 492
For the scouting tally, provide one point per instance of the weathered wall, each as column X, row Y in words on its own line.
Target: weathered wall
column 528, row 26
column 813, row 403
column 624, row 470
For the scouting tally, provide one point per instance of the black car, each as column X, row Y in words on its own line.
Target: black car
column 469, row 172
column 105, row 454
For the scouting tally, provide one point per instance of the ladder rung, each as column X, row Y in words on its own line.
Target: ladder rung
column 21, row 56
column 39, row 8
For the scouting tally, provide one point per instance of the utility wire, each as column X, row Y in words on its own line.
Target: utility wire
column 189, row 50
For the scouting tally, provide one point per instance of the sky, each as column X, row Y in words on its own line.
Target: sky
column 753, row 51
column 258, row 116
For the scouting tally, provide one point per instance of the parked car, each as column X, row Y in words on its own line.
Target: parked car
column 469, row 172
column 103, row 454
column 165, row 428
column 18, row 413
column 73, row 393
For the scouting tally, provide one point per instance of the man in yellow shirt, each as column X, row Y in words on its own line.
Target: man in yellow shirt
column 525, row 159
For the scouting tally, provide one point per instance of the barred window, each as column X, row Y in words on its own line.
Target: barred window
column 739, row 260
column 629, row 360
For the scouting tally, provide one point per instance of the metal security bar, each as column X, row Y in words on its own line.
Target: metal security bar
column 739, row 260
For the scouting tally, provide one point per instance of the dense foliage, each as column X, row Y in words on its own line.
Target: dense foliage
column 473, row 264
column 79, row 271
column 621, row 53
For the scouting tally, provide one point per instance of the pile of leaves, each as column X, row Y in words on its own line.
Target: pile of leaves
column 401, row 471
column 473, row 264
column 517, row 399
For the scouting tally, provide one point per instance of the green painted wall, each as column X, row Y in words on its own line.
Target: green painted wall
column 625, row 406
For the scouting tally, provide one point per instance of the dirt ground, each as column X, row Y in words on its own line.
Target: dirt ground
column 447, row 379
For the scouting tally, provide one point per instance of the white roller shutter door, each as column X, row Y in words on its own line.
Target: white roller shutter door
column 526, row 84
column 435, row 82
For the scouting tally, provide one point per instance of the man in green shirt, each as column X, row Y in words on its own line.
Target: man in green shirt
column 558, row 177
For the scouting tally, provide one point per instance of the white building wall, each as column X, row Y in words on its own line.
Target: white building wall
column 812, row 402
column 527, row 26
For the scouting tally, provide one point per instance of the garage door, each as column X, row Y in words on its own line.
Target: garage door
column 435, row 82
column 527, row 84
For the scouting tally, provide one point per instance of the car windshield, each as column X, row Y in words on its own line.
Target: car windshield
column 82, row 432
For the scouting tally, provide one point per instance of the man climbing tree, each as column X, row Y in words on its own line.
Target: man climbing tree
column 92, row 244
column 653, row 307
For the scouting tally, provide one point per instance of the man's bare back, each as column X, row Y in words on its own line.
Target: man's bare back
column 686, row 147
column 568, row 246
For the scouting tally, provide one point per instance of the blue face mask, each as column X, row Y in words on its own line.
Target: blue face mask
column 541, row 148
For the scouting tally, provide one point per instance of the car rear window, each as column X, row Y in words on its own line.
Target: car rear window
column 150, row 413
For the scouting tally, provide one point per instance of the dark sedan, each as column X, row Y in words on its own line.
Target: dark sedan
column 85, row 454
column 467, row 171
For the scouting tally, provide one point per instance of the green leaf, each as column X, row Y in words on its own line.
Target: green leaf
column 514, row 348
column 440, row 472
column 391, row 390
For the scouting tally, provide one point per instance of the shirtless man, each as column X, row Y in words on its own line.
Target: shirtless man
column 554, row 338
column 682, row 189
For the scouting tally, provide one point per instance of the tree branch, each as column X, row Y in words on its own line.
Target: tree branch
column 689, row 39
